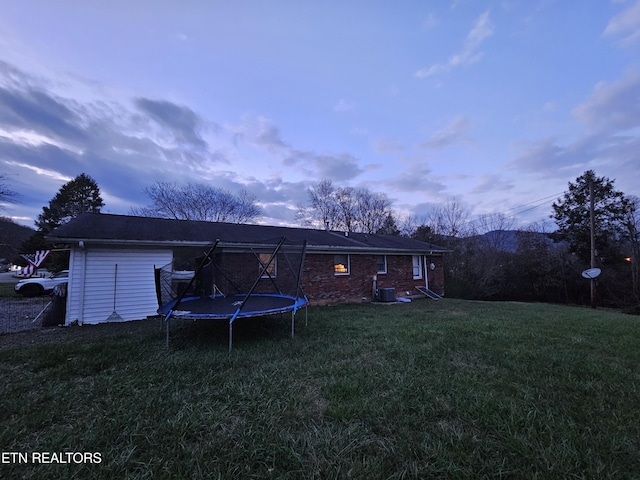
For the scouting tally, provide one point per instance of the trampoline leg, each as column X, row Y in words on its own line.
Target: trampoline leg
column 167, row 333
column 293, row 320
column 230, row 336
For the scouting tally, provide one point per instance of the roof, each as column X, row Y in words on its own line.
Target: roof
column 122, row 230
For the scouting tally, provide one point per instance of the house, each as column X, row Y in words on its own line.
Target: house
column 113, row 259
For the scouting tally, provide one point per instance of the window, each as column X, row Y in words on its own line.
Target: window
column 341, row 264
column 271, row 271
column 381, row 264
column 417, row 267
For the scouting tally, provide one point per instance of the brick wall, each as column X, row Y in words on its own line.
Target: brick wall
column 319, row 282
column 323, row 287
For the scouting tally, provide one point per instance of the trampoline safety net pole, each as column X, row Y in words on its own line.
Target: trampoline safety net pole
column 195, row 275
column 253, row 287
column 262, row 270
column 181, row 296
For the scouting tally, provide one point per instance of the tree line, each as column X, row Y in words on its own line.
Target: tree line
column 488, row 259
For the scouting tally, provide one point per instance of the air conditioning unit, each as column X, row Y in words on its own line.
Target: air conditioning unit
column 387, row 294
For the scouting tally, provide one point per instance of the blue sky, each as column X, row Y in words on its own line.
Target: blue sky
column 495, row 103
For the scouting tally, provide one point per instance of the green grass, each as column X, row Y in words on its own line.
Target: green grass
column 6, row 290
column 454, row 389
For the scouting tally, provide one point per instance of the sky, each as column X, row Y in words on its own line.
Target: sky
column 496, row 104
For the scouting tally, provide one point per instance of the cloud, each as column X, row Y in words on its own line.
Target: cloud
column 126, row 144
column 417, row 178
column 340, row 167
column 430, row 21
column 451, row 134
column 56, row 137
column 625, row 25
column 36, row 110
column 613, row 106
column 491, row 184
column 545, row 157
column 470, row 53
column 385, row 145
column 343, row 106
column 608, row 144
column 269, row 135
column 181, row 121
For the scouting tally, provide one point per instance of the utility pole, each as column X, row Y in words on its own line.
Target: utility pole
column 593, row 243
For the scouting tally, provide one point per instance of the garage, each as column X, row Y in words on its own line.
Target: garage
column 112, row 285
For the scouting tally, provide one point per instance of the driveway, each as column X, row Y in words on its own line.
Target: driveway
column 7, row 277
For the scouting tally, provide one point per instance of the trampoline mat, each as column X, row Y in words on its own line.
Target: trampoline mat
column 221, row 307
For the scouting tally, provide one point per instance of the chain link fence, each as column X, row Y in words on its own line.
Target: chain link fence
column 18, row 314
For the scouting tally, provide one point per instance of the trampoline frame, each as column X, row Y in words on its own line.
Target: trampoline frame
column 298, row 301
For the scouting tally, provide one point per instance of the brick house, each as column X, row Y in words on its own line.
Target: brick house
column 113, row 257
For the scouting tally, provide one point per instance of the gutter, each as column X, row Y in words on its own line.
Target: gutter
column 231, row 246
column 328, row 249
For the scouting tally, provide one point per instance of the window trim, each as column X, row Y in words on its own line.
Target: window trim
column 347, row 266
column 417, row 264
column 384, row 260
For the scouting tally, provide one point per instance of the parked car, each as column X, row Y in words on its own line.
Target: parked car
column 32, row 287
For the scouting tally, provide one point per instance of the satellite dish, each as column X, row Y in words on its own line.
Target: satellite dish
column 591, row 273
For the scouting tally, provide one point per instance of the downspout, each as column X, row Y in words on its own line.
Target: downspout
column 426, row 273
column 81, row 283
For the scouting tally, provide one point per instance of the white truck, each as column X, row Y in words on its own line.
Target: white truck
column 32, row 287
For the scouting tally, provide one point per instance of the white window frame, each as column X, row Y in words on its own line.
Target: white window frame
column 384, row 261
column 416, row 261
column 337, row 262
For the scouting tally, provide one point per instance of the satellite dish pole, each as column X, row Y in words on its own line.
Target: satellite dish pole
column 593, row 243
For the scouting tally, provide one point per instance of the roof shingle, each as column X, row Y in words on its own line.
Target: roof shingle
column 103, row 228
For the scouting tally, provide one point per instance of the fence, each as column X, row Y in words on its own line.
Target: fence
column 18, row 314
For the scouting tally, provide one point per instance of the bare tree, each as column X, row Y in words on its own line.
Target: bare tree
column 494, row 228
column 345, row 208
column 195, row 201
column 322, row 210
column 373, row 211
column 450, row 219
column 347, row 203
column 6, row 194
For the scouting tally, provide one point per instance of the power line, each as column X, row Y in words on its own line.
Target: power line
column 555, row 195
column 544, row 201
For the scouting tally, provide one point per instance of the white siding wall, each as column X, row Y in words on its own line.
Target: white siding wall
column 92, row 280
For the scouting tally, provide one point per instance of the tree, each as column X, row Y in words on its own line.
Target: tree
column 572, row 216
column 322, row 211
column 539, row 267
column 78, row 196
column 195, row 201
column 450, row 219
column 495, row 228
column 632, row 240
column 6, row 194
column 389, row 227
column 345, row 208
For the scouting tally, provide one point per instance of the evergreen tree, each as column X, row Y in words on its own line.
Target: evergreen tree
column 389, row 227
column 572, row 215
column 78, row 196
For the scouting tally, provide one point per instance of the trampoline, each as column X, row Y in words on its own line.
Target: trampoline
column 212, row 304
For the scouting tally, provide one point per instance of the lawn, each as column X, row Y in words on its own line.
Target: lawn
column 455, row 389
